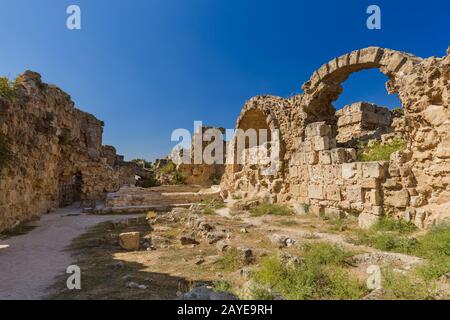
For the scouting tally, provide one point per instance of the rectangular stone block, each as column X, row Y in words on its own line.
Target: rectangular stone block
column 313, row 157
column 333, row 213
column 370, row 183
column 338, row 156
column 397, row 199
column 316, row 210
column 375, row 197
column 355, row 194
column 307, row 146
column 333, row 192
column 325, row 157
column 321, row 143
column 317, row 129
column 372, row 170
column 348, row 170
column 316, row 191
column 293, row 172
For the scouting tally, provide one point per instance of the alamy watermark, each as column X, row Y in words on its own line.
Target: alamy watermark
column 74, row 280
column 374, row 20
column 73, row 21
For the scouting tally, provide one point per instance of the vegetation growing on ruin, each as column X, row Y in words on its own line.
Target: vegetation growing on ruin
column 147, row 164
column 230, row 261
column 395, row 236
column 6, row 154
column 378, row 151
column 388, row 234
column 270, row 209
column 405, row 286
column 148, row 182
column 178, row 178
column 435, row 246
column 398, row 112
column 169, row 168
column 320, row 274
column 7, row 89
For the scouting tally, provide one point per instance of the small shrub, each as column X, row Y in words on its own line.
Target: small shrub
column 178, row 178
column 306, row 208
column 216, row 179
column 215, row 203
column 320, row 275
column 6, row 155
column 222, row 286
column 393, row 224
column 208, row 211
column 378, row 151
column 389, row 234
column 270, row 209
column 147, row 164
column 147, row 183
column 288, row 223
column 435, row 246
column 169, row 168
column 230, row 261
column 7, row 89
column 398, row 112
column 405, row 287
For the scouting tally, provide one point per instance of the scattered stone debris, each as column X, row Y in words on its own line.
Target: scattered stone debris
column 206, row 293
column 130, row 241
column 186, row 240
column 281, row 240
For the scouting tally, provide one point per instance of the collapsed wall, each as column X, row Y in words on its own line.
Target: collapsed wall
column 362, row 121
column 53, row 153
column 328, row 180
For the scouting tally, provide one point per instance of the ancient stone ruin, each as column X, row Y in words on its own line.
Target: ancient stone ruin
column 56, row 153
column 318, row 169
column 59, row 157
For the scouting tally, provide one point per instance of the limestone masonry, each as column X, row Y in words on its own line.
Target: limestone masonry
column 319, row 171
column 59, row 157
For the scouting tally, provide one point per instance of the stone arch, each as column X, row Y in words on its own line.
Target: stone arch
column 324, row 86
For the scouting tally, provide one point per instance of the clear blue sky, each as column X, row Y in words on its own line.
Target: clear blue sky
column 146, row 67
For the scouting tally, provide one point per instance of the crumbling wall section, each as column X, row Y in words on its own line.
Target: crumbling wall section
column 56, row 153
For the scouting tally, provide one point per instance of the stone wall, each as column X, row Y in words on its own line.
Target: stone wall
column 362, row 121
column 198, row 171
column 57, row 152
column 414, row 184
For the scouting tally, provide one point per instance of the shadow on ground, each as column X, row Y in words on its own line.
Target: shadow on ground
column 105, row 277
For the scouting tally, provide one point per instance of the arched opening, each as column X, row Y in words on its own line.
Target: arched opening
column 365, row 110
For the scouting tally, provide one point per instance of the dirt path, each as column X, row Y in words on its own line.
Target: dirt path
column 29, row 263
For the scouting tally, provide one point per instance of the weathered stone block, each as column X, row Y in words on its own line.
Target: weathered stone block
column 375, row 197
column 348, row 170
column 366, row 220
column 325, row 157
column 338, row 155
column 377, row 210
column 397, row 199
column 316, row 191
column 355, row 194
column 333, row 213
column 370, row 183
column 320, row 129
column 333, row 192
column 372, row 170
column 316, row 210
column 321, row 143
column 313, row 157
column 130, row 241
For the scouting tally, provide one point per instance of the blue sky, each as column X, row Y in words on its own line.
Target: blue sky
column 147, row 67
